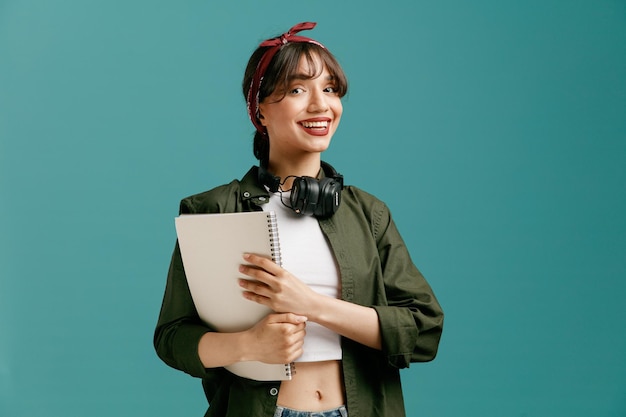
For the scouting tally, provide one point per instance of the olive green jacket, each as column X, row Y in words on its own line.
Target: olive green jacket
column 376, row 270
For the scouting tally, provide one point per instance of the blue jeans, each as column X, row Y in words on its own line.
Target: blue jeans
column 288, row 412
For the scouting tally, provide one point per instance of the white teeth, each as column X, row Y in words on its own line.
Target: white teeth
column 315, row 124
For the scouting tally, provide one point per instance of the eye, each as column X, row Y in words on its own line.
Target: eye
column 331, row 89
column 297, row 90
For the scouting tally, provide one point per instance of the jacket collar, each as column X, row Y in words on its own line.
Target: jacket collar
column 251, row 189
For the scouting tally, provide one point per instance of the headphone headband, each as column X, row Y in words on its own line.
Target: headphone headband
column 273, row 182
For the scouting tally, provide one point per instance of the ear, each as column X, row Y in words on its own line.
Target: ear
column 260, row 115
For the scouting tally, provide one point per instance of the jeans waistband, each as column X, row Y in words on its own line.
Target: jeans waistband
column 288, row 412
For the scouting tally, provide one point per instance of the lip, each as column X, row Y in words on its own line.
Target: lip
column 316, row 131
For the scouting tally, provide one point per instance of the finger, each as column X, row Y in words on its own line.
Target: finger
column 258, row 292
column 288, row 318
column 255, row 286
column 300, row 332
column 262, row 262
column 257, row 274
column 257, row 298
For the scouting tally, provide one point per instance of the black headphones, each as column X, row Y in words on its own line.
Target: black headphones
column 309, row 195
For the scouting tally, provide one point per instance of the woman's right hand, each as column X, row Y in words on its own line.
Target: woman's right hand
column 278, row 338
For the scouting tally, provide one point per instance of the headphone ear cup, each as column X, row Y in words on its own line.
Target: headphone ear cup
column 304, row 195
column 329, row 197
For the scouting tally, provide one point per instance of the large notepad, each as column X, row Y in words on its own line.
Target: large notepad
column 212, row 246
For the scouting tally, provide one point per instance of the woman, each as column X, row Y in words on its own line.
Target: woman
column 351, row 308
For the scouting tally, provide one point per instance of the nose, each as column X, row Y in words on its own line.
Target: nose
column 317, row 102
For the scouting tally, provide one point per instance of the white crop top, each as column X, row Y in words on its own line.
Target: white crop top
column 307, row 255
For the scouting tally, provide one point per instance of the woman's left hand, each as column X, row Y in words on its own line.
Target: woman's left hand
column 275, row 287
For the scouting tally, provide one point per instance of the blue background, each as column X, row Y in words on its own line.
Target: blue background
column 494, row 130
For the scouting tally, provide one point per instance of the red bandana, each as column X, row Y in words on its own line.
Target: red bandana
column 275, row 44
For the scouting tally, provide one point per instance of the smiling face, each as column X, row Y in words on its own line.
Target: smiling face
column 302, row 119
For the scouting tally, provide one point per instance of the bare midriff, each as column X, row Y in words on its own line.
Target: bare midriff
column 316, row 386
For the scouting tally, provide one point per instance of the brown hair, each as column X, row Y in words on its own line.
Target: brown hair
column 279, row 73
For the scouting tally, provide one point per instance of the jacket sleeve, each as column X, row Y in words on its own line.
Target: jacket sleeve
column 412, row 321
column 179, row 328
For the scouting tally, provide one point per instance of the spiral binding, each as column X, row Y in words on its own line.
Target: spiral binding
column 274, row 241
column 290, row 370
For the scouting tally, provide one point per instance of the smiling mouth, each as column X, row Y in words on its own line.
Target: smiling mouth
column 315, row 125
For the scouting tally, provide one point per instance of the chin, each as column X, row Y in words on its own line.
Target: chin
column 321, row 147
